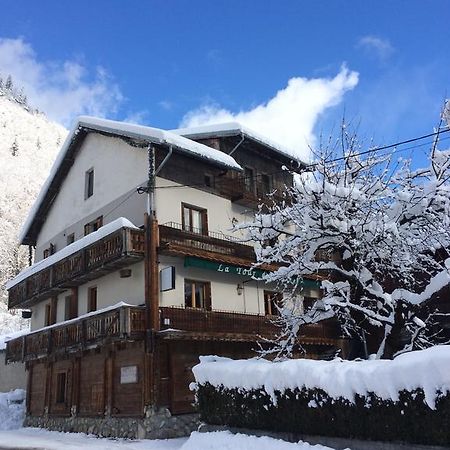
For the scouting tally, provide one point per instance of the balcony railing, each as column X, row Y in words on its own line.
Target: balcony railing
column 174, row 239
column 121, row 248
column 124, row 322
column 239, row 324
column 248, row 192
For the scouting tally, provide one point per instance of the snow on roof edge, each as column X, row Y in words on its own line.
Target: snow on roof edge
column 160, row 136
column 70, row 249
column 156, row 135
column 233, row 128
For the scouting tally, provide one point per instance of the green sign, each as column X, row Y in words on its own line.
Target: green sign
column 256, row 274
column 192, row 261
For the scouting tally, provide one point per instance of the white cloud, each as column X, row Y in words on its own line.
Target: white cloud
column 290, row 116
column 380, row 46
column 62, row 89
column 167, row 105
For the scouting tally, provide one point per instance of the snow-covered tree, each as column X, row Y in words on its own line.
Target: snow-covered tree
column 375, row 232
column 22, row 172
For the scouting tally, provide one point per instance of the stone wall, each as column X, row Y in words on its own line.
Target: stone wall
column 157, row 424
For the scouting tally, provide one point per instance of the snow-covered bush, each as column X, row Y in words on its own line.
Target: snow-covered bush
column 376, row 232
column 405, row 399
column 12, row 409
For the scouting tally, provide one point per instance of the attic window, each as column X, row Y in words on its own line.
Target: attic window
column 89, row 184
column 90, row 227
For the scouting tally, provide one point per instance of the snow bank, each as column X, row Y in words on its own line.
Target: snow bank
column 426, row 369
column 224, row 440
column 55, row 440
column 12, row 409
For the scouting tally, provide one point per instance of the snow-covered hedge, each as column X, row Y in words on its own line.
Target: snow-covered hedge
column 405, row 399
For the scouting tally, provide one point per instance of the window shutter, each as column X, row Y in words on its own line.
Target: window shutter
column 208, row 302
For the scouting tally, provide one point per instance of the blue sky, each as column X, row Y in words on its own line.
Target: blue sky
column 166, row 63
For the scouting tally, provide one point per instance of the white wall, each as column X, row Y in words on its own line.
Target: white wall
column 112, row 289
column 221, row 212
column 224, row 294
column 118, row 168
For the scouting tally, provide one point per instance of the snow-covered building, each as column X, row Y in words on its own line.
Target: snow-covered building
column 136, row 273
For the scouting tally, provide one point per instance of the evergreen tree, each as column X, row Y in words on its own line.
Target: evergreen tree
column 14, row 147
column 9, row 84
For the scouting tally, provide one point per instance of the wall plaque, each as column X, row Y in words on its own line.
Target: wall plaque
column 128, row 374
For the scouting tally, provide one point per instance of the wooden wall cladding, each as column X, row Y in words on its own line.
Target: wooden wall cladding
column 92, row 384
column 128, row 381
column 61, row 383
column 183, row 356
column 38, row 378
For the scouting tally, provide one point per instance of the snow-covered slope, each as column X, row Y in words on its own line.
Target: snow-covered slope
column 28, row 145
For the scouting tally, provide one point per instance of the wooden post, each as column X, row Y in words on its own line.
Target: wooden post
column 151, row 274
column 108, row 381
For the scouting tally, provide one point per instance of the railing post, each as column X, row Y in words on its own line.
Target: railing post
column 49, row 341
column 24, row 341
column 124, row 320
column 83, row 334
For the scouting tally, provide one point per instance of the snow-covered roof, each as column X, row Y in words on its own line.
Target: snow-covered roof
column 153, row 135
column 234, row 129
column 103, row 231
column 158, row 136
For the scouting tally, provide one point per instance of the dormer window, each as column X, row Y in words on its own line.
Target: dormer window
column 249, row 179
column 49, row 250
column 89, row 184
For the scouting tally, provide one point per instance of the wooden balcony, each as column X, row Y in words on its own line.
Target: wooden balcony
column 174, row 240
column 124, row 322
column 192, row 323
column 119, row 249
column 248, row 193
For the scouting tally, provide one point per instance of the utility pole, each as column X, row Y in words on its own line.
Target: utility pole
column 151, row 256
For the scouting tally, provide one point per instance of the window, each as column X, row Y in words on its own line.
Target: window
column 92, row 299
column 249, row 179
column 70, row 307
column 70, row 238
column 209, row 180
column 61, row 387
column 197, row 294
column 50, row 311
column 89, row 184
column 90, row 227
column 194, row 219
column 266, row 183
column 272, row 300
column 49, row 251
column 308, row 303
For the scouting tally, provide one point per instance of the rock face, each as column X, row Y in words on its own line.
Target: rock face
column 29, row 143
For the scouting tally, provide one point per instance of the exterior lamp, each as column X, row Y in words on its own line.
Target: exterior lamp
column 239, row 289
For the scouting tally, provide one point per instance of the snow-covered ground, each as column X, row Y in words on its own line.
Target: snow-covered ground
column 221, row 440
column 12, row 435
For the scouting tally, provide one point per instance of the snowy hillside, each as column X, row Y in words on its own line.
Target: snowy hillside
column 28, row 145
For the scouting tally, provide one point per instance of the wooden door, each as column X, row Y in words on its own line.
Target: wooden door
column 182, row 398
